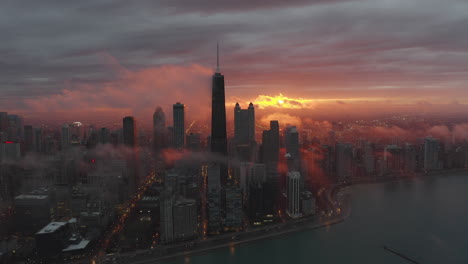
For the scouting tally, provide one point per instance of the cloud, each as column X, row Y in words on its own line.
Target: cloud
column 312, row 49
column 283, row 118
column 134, row 92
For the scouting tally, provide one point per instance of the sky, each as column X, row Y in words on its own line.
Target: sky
column 127, row 57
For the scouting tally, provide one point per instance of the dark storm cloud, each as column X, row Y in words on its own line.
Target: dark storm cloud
column 303, row 45
column 213, row 6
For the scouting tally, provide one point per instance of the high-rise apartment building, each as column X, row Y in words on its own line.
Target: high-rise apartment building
column 179, row 127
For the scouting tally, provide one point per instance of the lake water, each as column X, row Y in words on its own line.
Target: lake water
column 425, row 219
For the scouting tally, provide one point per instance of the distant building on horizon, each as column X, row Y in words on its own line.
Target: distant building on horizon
column 343, row 159
column 4, row 122
column 431, row 153
column 28, row 138
column 65, row 137
column 104, row 135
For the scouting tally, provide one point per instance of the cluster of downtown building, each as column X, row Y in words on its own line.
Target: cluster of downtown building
column 81, row 177
column 66, row 187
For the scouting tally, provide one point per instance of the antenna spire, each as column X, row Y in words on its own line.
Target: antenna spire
column 217, row 56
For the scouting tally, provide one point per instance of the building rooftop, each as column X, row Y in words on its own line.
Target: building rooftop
column 150, row 198
column 30, row 196
column 81, row 245
column 183, row 201
column 90, row 214
column 51, row 227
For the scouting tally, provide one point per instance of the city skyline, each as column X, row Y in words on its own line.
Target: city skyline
column 326, row 131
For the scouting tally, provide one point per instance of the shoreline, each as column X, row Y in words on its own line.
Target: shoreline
column 239, row 242
column 290, row 227
column 307, row 226
column 296, row 226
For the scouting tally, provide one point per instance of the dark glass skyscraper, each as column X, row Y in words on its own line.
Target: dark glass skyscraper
column 159, row 129
column 270, row 141
column 218, row 113
column 218, row 120
column 244, row 124
column 129, row 133
column 179, row 128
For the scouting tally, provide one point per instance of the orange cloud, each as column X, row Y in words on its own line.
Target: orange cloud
column 284, row 119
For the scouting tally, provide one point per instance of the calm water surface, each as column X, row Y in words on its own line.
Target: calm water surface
column 426, row 219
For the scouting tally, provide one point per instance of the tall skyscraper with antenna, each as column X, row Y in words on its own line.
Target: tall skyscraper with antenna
column 218, row 112
column 218, row 117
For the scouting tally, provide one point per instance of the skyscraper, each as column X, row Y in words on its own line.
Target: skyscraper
column 159, row 129
column 38, row 145
column 129, row 133
column 28, row 138
column 15, row 128
column 213, row 196
column 179, row 128
column 270, row 142
column 77, row 133
column 233, row 217
column 293, row 209
column 431, row 153
column 104, row 135
column 65, row 137
column 193, row 142
column 218, row 140
column 4, row 122
column 244, row 124
column 343, row 159
column 185, row 219
column 291, row 138
column 218, row 113
column 167, row 220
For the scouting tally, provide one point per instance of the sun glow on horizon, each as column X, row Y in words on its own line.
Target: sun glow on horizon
column 281, row 101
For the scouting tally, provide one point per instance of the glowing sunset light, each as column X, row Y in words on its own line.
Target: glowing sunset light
column 281, row 101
